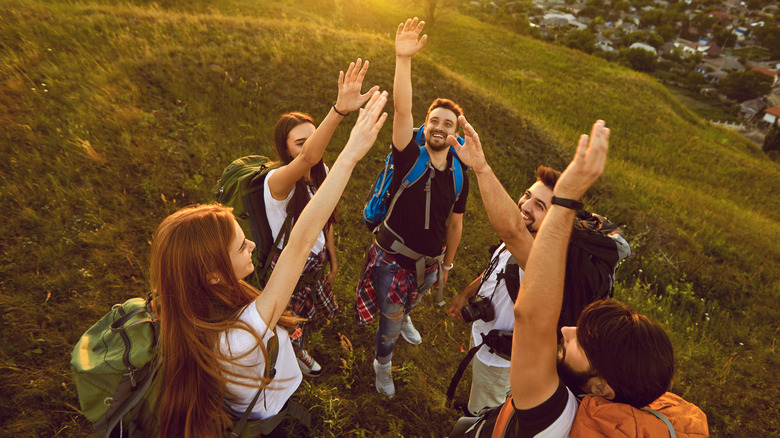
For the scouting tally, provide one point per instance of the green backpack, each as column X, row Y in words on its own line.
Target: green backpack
column 115, row 363
column 241, row 187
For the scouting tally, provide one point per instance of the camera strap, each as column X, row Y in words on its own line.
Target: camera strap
column 461, row 369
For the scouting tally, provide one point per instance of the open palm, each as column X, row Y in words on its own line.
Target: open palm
column 406, row 38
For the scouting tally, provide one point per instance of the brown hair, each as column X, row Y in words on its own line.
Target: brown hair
column 300, row 197
column 447, row 104
column 628, row 350
column 548, row 176
column 189, row 251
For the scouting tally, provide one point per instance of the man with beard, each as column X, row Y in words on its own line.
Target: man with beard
column 423, row 229
column 613, row 353
column 516, row 225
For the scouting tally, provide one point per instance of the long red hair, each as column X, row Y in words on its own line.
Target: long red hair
column 197, row 297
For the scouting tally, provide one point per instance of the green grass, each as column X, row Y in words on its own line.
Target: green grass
column 145, row 103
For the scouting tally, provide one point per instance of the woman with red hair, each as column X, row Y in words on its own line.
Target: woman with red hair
column 214, row 327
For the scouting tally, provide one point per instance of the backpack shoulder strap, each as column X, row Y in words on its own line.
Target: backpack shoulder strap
column 457, row 173
column 499, row 429
column 273, row 354
column 663, row 418
column 417, row 170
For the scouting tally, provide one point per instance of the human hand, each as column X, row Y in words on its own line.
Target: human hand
column 350, row 84
column 406, row 43
column 587, row 164
column 366, row 129
column 331, row 278
column 457, row 305
column 470, row 153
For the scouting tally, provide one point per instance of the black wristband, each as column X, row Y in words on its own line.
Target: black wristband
column 568, row 203
column 339, row 112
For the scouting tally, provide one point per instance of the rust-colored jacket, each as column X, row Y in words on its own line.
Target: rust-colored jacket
column 600, row 417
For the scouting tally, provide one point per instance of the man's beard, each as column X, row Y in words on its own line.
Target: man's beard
column 438, row 146
column 574, row 380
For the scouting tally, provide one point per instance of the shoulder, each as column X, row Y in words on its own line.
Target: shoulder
column 238, row 340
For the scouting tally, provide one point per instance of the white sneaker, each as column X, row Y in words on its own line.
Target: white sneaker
column 308, row 365
column 409, row 333
column 384, row 378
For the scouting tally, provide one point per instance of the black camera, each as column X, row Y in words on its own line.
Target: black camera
column 479, row 307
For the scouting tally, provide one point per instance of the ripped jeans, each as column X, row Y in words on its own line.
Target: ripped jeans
column 392, row 314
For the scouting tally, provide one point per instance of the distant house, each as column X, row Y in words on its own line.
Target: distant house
column 644, row 46
column 556, row 20
column 771, row 115
column 604, row 44
column 628, row 27
column 750, row 108
column 740, row 33
column 724, row 20
column 766, row 71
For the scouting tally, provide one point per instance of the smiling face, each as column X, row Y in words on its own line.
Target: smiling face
column 441, row 122
column 534, row 205
column 297, row 137
column 241, row 253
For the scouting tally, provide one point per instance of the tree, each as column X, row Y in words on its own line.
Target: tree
column 639, row 59
column 579, row 39
column 769, row 37
column 772, row 139
column 745, row 85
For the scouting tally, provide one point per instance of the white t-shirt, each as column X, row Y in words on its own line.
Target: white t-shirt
column 288, row 375
column 502, row 306
column 276, row 211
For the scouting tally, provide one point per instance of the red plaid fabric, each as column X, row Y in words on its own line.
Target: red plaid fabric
column 404, row 290
column 302, row 303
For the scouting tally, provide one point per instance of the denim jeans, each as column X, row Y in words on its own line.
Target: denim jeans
column 392, row 314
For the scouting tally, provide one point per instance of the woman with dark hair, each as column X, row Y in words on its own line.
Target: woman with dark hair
column 287, row 190
column 215, row 327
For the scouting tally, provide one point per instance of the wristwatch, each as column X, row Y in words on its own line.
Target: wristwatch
column 568, row 203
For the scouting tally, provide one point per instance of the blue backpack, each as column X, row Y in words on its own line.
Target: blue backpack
column 379, row 204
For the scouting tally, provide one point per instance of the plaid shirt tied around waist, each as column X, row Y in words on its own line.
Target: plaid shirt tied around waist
column 311, row 297
column 404, row 290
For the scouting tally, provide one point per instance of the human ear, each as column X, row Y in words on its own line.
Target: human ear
column 598, row 386
column 213, row 278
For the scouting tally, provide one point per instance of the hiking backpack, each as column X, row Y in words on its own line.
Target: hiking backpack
column 115, row 364
column 596, row 248
column 241, row 187
column 669, row 415
column 380, row 202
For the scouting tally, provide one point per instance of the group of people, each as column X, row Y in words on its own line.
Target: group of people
column 216, row 328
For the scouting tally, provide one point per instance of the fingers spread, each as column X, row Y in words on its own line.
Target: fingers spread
column 363, row 71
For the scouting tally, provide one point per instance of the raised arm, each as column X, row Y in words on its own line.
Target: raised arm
column 406, row 45
column 502, row 210
column 533, row 372
column 279, row 288
column 349, row 99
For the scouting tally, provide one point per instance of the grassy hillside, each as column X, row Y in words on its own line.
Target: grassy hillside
column 113, row 115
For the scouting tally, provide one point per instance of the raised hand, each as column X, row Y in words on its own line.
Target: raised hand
column 470, row 153
column 406, row 37
column 350, row 84
column 587, row 165
column 366, row 128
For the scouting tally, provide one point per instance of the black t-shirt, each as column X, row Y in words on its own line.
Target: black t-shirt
column 408, row 216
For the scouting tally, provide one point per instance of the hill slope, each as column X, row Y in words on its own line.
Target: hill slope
column 114, row 115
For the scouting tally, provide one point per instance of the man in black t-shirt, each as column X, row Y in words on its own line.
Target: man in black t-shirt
column 424, row 227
